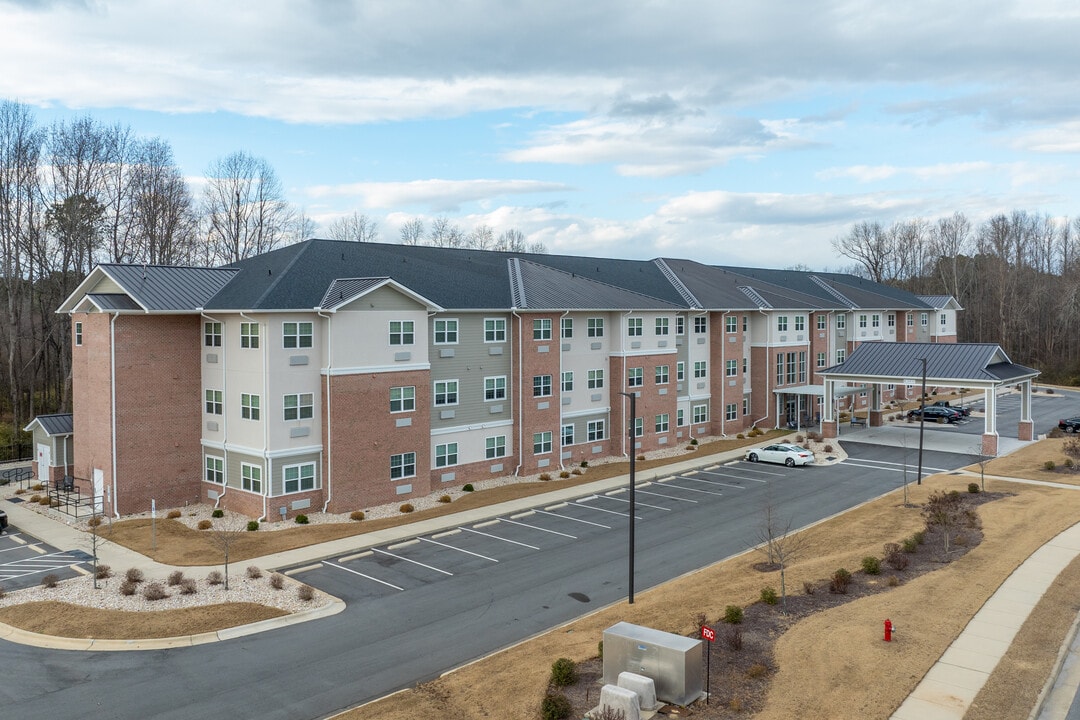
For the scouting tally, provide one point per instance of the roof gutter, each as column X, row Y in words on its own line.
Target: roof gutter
column 112, row 399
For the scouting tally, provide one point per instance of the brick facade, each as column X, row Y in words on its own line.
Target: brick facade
column 538, row 358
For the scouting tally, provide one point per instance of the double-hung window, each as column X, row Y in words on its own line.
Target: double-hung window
column 595, row 327
column 821, row 320
column 251, row 478
column 662, row 423
column 924, row 319
column 800, row 323
column 541, row 385
column 596, row 379
column 596, row 430
column 781, row 323
column 494, row 330
column 639, row 427
column 661, row 374
column 875, row 321
column 299, row 478
column 701, row 414
column 566, row 328
column 680, row 417
column 731, row 323
column 541, row 442
column 213, row 402
column 680, row 371
column 731, row 411
column 446, row 332
column 841, row 321
column 403, row 399
column 731, row 368
column 402, row 465
column 680, row 325
column 862, row 321
column 821, row 360
column 299, row 406
column 446, row 392
column 701, row 324
column 215, row 470
column 700, row 369
column 567, row 435
column 446, row 455
column 495, row 447
column 662, row 325
column 495, row 388
column 401, row 332
column 634, row 327
column 841, row 355
column 211, row 334
column 249, row 335
column 296, row 335
column 542, row 329
column 567, row 381
column 249, row 406
column 635, row 377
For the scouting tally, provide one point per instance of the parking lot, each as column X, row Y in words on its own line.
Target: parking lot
column 25, row 560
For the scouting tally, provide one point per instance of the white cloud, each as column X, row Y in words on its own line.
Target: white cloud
column 875, row 173
column 438, row 195
column 1062, row 138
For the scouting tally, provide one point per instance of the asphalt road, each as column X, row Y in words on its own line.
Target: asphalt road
column 472, row 592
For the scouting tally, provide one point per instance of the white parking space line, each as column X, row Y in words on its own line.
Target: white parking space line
column 738, row 477
column 567, row 517
column 642, row 504
column 368, row 577
column 414, row 562
column 712, row 482
column 669, row 497
column 541, row 529
column 893, row 467
column 17, row 547
column 467, row 552
column 582, row 503
column 697, row 490
column 749, row 467
column 496, row 537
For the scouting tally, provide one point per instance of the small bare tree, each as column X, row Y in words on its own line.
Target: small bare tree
column 780, row 544
column 225, row 537
column 982, row 461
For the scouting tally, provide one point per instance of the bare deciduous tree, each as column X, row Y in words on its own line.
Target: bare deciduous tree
column 412, row 232
column 225, row 537
column 244, row 207
column 779, row 543
column 354, row 228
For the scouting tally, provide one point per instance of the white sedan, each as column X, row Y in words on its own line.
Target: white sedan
column 790, row 455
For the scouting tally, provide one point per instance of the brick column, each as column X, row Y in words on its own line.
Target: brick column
column 990, row 444
column 1026, row 431
column 875, row 417
column 830, row 429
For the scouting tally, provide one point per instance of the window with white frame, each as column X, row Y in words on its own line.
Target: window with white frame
column 402, row 465
column 211, row 334
column 701, row 414
column 662, row 423
column 296, row 335
column 731, row 411
column 446, row 392
column 875, row 321
column 841, row 321
column 639, row 427
column 299, row 478
column 567, row 381
column 781, row 323
column 680, row 371
column 924, row 319
column 821, row 321
column 494, row 330
column 744, row 364
column 542, row 329
column 566, row 328
column 731, row 368
column 249, row 335
column 746, row 406
column 862, row 321
column 214, row 402
column 495, row 447
column 841, row 355
column 595, row 327
column 251, row 478
column 567, row 435
column 541, row 443
column 890, row 320
column 298, row 406
column 802, row 366
column 944, row 320
column 700, row 370
column 78, row 333
column 791, row 368
column 215, row 470
column 680, row 418
column 541, row 385
column 661, row 374
column 495, row 388
column 445, row 455
column 403, row 399
column 731, row 323
column 800, row 323
column 680, row 325
column 662, row 325
column 634, row 326
column 821, row 359
column 910, row 319
column 635, row 377
column 596, row 379
column 401, row 332
column 446, row 331
column 701, row 324
column 744, row 323
column 249, row 406
column 779, row 368
column 596, row 430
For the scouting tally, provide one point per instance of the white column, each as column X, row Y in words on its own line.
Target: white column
column 990, row 422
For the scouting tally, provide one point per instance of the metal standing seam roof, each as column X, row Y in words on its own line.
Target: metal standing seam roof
column 54, row 424
column 112, row 301
column 342, row 290
column 545, row 288
column 975, row 362
column 163, row 288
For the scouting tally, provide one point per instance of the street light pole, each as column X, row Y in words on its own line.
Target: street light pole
column 922, row 419
column 633, row 456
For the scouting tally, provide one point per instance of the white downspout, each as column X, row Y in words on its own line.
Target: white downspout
column 521, row 395
column 265, row 420
column 768, row 361
column 560, row 339
column 723, row 369
column 329, row 367
column 614, row 391
column 112, row 392
column 224, row 415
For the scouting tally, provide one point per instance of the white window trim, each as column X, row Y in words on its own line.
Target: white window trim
column 446, row 453
column 500, row 327
column 497, row 397
column 403, row 399
column 257, row 469
column 299, row 407
column 435, row 392
column 403, row 456
column 435, row 331
column 315, row 485
column 221, row 462
column 310, row 335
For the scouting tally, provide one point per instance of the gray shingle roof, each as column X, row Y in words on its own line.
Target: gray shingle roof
column 545, row 288
column 55, row 424
column 982, row 362
column 169, row 288
column 343, row 290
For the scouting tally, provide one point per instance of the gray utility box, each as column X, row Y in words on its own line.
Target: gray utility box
column 672, row 661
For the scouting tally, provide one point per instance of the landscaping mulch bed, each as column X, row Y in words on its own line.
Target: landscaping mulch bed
column 741, row 660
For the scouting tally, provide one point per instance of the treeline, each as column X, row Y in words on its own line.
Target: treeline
column 1016, row 276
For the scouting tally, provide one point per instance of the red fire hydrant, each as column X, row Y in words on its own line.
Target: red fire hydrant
column 888, row 630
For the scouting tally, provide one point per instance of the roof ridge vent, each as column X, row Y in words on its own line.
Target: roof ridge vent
column 517, row 285
column 684, row 292
column 832, row 291
column 755, row 296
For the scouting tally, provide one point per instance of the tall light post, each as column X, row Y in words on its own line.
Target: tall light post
column 633, row 456
column 922, row 419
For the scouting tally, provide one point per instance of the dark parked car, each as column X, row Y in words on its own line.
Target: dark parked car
column 1070, row 425
column 965, row 411
column 936, row 413
column 3, row 521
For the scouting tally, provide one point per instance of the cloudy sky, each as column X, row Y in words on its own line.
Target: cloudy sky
column 732, row 132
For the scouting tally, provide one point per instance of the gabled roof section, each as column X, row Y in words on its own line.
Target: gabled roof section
column 54, row 425
column 344, row 291
column 111, row 301
column 538, row 287
column 151, row 288
column 978, row 363
column 941, row 302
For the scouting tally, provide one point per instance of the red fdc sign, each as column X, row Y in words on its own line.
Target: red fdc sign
column 708, row 633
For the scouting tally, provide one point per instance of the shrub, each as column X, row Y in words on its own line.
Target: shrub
column 808, row 587
column 973, row 488
column 768, row 595
column 175, row 578
column 214, row 578
column 252, row 525
column 563, row 672
column 584, row 463
column 895, row 557
column 640, row 457
column 740, row 436
column 305, row 593
column 757, row 671
column 154, row 591
column 301, row 519
column 600, row 649
column 35, row 498
column 50, row 581
column 1049, row 465
column 444, row 498
column 356, row 515
column 128, row 588
column 576, row 471
column 467, row 487
column 564, row 474
column 840, row 581
column 545, row 477
column 37, row 486
column 134, row 575
column 104, row 572
column 254, row 572
column 909, row 545
column 555, row 706
column 733, row 636
column 406, row 508
column 1068, row 463
column 828, row 448
column 94, row 521
column 218, row 512
column 173, row 514
column 919, row 537
column 799, row 438
column 871, row 565
column 735, row 705
column 44, row 500
column 205, row 524
column 277, row 581
column 733, row 614
column 691, row 447
column 188, row 586
column 693, row 441
column 893, row 581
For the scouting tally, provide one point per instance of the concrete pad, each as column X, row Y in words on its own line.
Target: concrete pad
column 970, row 659
column 1051, row 553
column 991, row 647
column 1008, row 620
column 980, row 628
column 1006, row 605
column 1018, row 594
column 947, row 695
column 961, row 677
column 915, row 708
